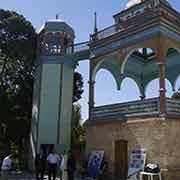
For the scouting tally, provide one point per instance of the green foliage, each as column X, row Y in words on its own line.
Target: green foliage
column 77, row 86
column 17, row 52
column 78, row 130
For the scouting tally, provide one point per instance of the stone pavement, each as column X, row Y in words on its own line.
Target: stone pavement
column 29, row 176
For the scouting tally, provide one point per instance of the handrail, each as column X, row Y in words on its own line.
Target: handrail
column 141, row 107
column 79, row 47
column 125, row 25
column 134, row 108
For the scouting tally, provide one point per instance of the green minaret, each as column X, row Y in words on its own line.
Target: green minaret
column 53, row 87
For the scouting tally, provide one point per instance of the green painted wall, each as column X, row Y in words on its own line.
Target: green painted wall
column 49, row 105
column 66, row 105
column 52, row 102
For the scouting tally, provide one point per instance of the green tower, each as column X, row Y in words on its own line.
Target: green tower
column 53, row 88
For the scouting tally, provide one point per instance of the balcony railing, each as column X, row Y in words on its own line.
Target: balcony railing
column 148, row 14
column 59, row 51
column 149, row 106
column 135, row 108
column 76, row 48
column 173, row 107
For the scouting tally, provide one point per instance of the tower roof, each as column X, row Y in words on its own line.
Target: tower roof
column 57, row 25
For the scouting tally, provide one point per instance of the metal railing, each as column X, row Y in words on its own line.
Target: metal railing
column 137, row 20
column 173, row 106
column 79, row 47
column 135, row 108
column 58, row 51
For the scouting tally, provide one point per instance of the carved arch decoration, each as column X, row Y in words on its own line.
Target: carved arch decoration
column 173, row 65
column 148, row 71
column 110, row 64
column 138, row 69
column 124, row 64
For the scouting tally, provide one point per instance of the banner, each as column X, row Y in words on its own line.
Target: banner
column 94, row 163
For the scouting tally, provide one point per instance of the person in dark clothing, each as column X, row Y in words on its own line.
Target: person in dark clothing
column 71, row 166
column 37, row 166
column 40, row 164
column 53, row 162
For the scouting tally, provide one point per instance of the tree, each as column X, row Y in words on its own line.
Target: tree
column 77, row 129
column 17, row 52
column 78, row 86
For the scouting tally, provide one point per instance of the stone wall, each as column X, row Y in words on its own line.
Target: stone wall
column 160, row 136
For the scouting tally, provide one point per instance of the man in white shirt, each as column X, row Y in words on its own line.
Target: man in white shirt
column 6, row 166
column 53, row 162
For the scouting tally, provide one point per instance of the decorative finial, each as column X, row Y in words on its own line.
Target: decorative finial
column 95, row 23
column 57, row 16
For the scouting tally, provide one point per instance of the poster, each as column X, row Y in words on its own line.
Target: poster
column 136, row 162
column 94, row 163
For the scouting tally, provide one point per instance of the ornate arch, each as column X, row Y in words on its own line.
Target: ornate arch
column 166, row 79
column 136, row 68
column 110, row 64
column 173, row 65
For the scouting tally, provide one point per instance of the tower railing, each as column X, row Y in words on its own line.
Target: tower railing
column 79, row 47
column 70, row 49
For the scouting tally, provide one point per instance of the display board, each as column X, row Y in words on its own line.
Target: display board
column 136, row 162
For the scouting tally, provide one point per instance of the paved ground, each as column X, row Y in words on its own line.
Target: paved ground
column 28, row 176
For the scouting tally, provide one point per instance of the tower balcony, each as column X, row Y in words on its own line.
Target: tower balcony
column 123, row 111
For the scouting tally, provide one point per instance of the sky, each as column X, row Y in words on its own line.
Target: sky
column 79, row 14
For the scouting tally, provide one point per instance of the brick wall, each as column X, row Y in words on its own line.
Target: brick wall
column 161, row 138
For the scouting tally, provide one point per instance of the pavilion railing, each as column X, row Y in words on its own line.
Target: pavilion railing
column 148, row 14
column 135, row 108
column 173, row 106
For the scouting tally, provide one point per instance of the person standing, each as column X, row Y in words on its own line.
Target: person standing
column 53, row 162
column 6, row 167
column 40, row 164
column 71, row 166
column 64, row 166
column 37, row 166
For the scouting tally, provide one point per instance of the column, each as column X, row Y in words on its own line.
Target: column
column 91, row 91
column 161, row 66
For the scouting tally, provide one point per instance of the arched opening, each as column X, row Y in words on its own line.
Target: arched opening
column 140, row 54
column 152, row 89
column 129, row 90
column 105, row 91
column 140, row 65
column 173, row 66
column 177, row 84
column 110, row 64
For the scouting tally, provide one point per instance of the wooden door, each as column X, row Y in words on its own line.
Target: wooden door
column 121, row 159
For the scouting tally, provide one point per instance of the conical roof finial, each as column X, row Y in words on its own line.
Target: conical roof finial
column 57, row 16
column 95, row 23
